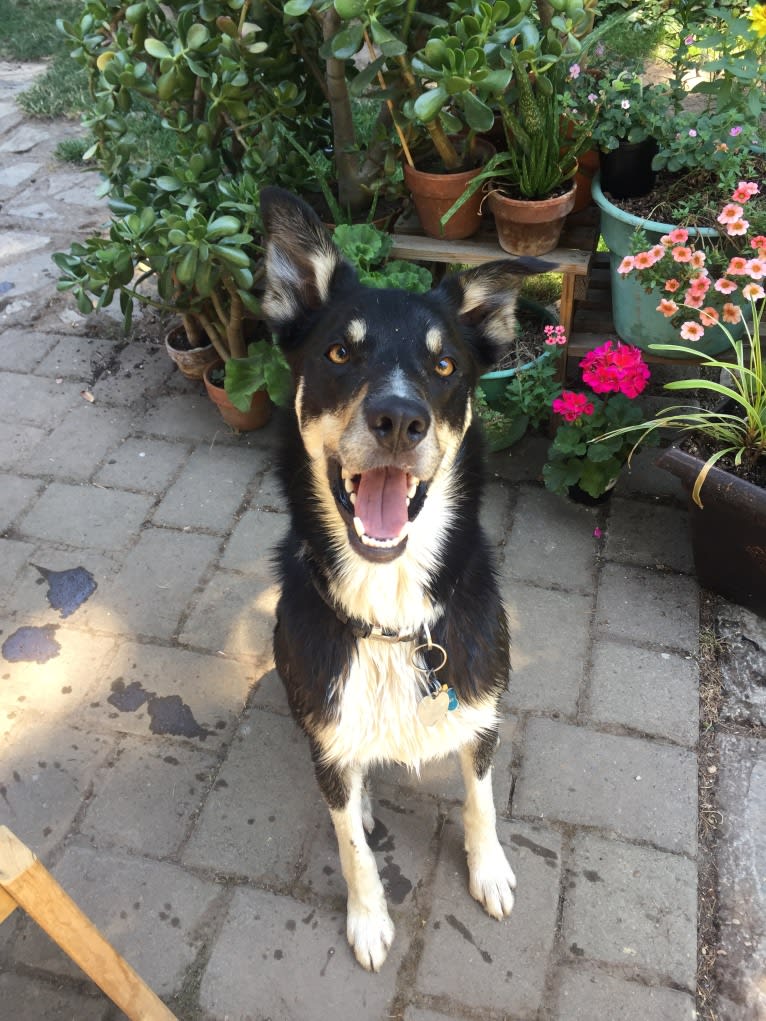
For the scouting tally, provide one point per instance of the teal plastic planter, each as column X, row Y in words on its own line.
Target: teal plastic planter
column 634, row 310
column 493, row 384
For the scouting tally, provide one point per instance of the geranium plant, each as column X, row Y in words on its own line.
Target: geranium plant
column 614, row 375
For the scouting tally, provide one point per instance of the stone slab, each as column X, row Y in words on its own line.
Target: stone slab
column 741, row 860
column 402, row 842
column 265, row 809
column 645, row 605
column 278, row 958
column 252, row 542
column 146, row 689
column 86, row 516
column 208, row 492
column 16, row 441
column 634, row 907
column 475, row 960
column 18, row 494
column 495, row 512
column 645, row 689
column 79, row 443
column 235, row 616
column 142, row 464
column 45, row 775
column 639, row 789
column 36, row 400
column 742, row 664
column 551, row 540
column 14, row 174
column 152, row 590
column 26, row 999
column 588, row 994
column 80, row 358
column 24, row 350
column 648, row 536
column 185, row 417
column 163, row 781
column 153, row 913
column 547, row 663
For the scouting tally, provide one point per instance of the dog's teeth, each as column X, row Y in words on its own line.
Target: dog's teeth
column 412, row 488
column 408, row 501
column 344, row 474
column 352, row 497
column 359, row 527
column 348, row 484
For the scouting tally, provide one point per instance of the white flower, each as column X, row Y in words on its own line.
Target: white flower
column 625, row 104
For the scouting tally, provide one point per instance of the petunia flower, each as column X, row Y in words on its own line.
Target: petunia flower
column 724, row 286
column 753, row 292
column 627, row 264
column 679, row 236
column 756, row 268
column 672, row 285
column 681, row 253
column 731, row 313
column 692, row 331
column 667, row 307
column 737, row 267
column 709, row 316
column 737, row 228
column 730, row 213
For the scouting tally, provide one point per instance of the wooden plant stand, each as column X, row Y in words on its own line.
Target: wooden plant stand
column 27, row 884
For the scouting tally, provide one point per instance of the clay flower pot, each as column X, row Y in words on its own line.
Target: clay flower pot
column 243, row 421
column 191, row 361
column 435, row 194
column 530, row 227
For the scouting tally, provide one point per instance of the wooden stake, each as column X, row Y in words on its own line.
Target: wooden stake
column 25, row 881
column 390, row 105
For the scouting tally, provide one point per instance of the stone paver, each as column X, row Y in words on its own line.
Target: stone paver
column 640, row 789
column 151, row 762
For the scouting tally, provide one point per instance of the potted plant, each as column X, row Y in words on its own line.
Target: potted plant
column 702, row 155
column 720, row 452
column 615, row 375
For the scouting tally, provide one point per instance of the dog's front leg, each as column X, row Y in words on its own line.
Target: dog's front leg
column 490, row 878
column 369, row 928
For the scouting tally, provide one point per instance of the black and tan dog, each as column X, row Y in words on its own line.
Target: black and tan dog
column 391, row 637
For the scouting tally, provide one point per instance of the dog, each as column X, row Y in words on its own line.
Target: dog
column 391, row 638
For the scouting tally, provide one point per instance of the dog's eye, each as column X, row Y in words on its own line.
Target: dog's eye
column 445, row 367
column 338, row 354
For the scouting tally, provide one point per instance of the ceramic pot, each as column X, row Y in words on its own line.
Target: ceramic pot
column 191, row 361
column 626, row 172
column 256, row 417
column 435, row 194
column 493, row 383
column 526, row 227
column 728, row 532
column 634, row 310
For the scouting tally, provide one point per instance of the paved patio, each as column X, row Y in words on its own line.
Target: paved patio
column 148, row 758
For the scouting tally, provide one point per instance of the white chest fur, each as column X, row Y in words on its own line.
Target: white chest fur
column 378, row 720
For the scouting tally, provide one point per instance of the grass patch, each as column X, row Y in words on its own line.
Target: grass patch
column 62, row 91
column 544, row 288
column 72, row 150
column 28, row 27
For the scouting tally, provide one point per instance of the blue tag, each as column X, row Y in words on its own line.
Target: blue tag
column 452, row 699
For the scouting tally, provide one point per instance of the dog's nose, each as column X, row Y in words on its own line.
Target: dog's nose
column 398, row 423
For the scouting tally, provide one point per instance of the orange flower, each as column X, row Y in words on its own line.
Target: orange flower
column 672, row 285
column 692, row 331
column 667, row 307
column 681, row 253
column 737, row 267
column 709, row 316
column 698, row 260
column 731, row 313
column 644, row 260
column 724, row 286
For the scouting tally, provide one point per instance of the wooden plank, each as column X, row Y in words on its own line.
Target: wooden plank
column 36, row 891
column 7, row 905
column 474, row 252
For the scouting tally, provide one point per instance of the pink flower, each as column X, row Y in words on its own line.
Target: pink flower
column 700, row 284
column 666, row 240
column 667, row 307
column 736, row 130
column 681, row 253
column 737, row 267
column 689, row 40
column 758, row 242
column 657, row 252
column 692, row 133
column 679, row 236
column 627, row 264
column 574, row 70
column 709, row 316
column 731, row 313
column 555, row 334
column 692, row 331
column 737, row 228
column 644, row 260
column 571, row 406
column 744, row 191
column 753, row 292
column 694, row 298
column 756, row 268
column 698, row 260
column 619, row 369
column 672, row 285
column 730, row 213
column 724, row 286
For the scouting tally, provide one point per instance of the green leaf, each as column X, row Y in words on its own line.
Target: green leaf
column 223, row 226
column 197, row 36
column 187, row 267
column 429, row 103
column 156, row 48
column 296, row 8
column 477, row 114
column 347, row 42
column 168, row 183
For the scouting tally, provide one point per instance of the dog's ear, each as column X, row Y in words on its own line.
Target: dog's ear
column 302, row 263
column 485, row 299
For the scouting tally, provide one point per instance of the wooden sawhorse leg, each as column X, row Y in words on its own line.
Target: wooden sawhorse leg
column 26, row 883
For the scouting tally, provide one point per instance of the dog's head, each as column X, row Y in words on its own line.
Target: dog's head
column 384, row 378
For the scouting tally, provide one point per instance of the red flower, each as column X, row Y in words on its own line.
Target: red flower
column 619, row 369
column 571, row 406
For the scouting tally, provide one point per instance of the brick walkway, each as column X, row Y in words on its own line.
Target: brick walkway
column 151, row 762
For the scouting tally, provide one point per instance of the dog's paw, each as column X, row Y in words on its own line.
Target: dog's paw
column 370, row 934
column 491, row 881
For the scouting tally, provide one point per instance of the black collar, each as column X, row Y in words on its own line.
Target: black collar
column 360, row 628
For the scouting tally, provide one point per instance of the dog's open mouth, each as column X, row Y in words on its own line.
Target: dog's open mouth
column 379, row 505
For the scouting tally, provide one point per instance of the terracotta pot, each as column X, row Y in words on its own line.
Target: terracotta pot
column 243, row 421
column 434, row 194
column 528, row 227
column 587, row 168
column 192, row 361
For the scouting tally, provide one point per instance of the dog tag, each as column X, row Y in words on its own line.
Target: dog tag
column 433, row 708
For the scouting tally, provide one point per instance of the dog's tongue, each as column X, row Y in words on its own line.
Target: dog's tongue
column 381, row 502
